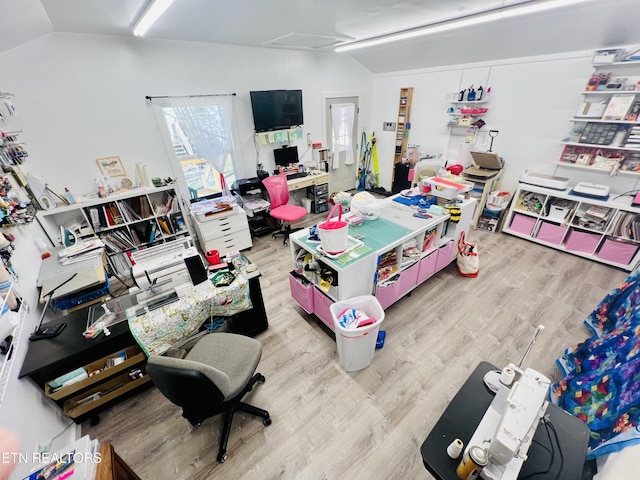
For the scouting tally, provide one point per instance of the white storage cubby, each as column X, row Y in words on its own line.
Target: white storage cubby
column 124, row 221
column 389, row 268
column 607, row 231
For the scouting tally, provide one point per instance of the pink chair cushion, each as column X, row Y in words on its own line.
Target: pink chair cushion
column 288, row 213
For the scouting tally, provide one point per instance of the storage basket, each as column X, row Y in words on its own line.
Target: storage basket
column 334, row 234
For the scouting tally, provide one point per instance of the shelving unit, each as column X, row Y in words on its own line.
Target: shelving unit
column 460, row 125
column 127, row 221
column 402, row 128
column 605, row 138
column 604, row 231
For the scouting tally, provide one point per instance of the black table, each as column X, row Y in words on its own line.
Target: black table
column 463, row 415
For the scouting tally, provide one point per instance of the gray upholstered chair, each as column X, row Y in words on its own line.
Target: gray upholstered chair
column 212, row 378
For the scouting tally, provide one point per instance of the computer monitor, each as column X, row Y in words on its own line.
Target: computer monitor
column 286, row 156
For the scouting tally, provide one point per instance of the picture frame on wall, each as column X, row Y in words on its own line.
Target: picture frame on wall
column 111, row 166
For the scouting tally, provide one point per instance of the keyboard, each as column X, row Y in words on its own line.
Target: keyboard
column 291, row 176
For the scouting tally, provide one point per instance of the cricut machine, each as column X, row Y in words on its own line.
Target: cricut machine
column 507, row 427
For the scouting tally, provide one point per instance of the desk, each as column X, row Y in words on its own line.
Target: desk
column 308, row 181
column 51, row 358
column 463, row 415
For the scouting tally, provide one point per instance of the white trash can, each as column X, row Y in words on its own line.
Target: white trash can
column 356, row 346
column 306, row 203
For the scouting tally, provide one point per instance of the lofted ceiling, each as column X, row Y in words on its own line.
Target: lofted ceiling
column 319, row 25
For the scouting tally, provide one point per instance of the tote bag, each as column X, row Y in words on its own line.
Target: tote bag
column 467, row 261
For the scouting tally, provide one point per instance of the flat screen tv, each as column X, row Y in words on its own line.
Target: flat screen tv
column 276, row 109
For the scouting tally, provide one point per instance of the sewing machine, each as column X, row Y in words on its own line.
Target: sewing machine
column 162, row 263
column 511, row 420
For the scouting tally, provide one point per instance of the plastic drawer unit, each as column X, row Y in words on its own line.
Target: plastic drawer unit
column 224, row 232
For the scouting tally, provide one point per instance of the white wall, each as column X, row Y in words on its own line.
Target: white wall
column 531, row 102
column 81, row 97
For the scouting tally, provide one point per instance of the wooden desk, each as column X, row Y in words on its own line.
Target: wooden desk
column 463, row 415
column 308, row 181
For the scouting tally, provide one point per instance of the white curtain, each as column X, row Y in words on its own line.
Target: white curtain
column 342, row 118
column 205, row 128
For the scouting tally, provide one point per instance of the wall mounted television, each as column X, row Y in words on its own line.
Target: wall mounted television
column 276, row 109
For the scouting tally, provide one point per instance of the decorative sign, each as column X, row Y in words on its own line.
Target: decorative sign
column 111, row 166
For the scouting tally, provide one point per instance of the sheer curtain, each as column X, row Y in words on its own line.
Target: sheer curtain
column 342, row 118
column 199, row 127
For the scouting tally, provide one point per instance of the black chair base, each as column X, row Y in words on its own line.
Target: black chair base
column 285, row 230
column 230, row 408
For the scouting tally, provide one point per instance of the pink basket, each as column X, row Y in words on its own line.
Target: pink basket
column 334, row 234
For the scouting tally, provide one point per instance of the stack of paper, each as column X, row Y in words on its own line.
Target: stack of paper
column 81, row 251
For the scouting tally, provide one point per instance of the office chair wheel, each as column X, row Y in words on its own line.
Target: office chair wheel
column 266, row 421
column 261, row 380
column 273, row 236
column 222, row 457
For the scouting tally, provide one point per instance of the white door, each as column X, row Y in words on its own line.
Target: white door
column 342, row 139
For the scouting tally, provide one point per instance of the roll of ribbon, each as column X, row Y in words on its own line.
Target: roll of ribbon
column 507, row 376
column 455, row 448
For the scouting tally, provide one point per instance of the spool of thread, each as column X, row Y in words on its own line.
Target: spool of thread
column 455, row 448
column 507, row 376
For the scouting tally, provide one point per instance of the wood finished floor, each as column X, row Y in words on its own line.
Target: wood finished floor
column 330, row 424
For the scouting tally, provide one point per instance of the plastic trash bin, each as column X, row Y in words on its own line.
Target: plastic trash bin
column 306, row 203
column 356, row 346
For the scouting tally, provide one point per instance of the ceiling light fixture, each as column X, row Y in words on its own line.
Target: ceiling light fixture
column 461, row 22
column 153, row 11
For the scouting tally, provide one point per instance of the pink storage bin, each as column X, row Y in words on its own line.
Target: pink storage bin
column 579, row 241
column 522, row 224
column 409, row 279
column 550, row 232
column 388, row 295
column 617, row 251
column 321, row 307
column 303, row 294
column 445, row 255
column 427, row 267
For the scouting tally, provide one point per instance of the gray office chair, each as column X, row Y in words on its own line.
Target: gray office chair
column 212, row 378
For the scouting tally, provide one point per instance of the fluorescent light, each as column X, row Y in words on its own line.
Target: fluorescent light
column 153, row 11
column 462, row 22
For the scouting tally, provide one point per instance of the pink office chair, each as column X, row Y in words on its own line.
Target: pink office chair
column 278, row 191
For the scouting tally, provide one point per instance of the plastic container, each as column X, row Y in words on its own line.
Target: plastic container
column 446, row 189
column 356, row 346
column 334, row 235
column 306, row 203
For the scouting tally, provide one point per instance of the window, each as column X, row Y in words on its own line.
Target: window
column 200, row 134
